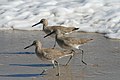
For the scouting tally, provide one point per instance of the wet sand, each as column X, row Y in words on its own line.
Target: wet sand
column 102, row 56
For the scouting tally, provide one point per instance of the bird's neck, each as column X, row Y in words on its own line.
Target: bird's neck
column 44, row 25
column 37, row 48
column 55, row 37
column 59, row 36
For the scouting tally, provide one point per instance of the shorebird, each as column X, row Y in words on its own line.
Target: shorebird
column 49, row 54
column 47, row 29
column 69, row 42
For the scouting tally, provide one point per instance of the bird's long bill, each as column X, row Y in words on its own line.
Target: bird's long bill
column 28, row 46
column 49, row 34
column 35, row 24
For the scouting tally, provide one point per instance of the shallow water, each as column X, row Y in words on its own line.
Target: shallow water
column 102, row 56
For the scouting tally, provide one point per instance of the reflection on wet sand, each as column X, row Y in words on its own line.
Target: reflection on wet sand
column 102, row 56
column 67, row 73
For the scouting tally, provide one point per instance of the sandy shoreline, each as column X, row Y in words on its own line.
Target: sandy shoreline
column 102, row 56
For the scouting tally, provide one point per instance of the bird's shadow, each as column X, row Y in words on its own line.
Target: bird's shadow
column 21, row 75
column 33, row 65
column 17, row 53
column 26, row 65
column 27, row 74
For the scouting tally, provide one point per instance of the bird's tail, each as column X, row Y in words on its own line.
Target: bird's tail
column 75, row 29
column 86, row 40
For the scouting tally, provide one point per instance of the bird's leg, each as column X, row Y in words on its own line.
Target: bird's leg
column 44, row 71
column 58, row 68
column 72, row 51
column 69, row 60
column 54, row 44
column 82, row 59
column 53, row 62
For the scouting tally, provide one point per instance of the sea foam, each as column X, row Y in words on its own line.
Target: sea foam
column 102, row 16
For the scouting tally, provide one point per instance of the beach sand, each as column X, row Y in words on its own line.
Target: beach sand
column 102, row 56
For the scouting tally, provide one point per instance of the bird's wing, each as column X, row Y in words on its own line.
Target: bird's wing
column 50, row 53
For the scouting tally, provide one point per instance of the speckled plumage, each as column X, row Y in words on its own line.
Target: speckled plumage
column 49, row 54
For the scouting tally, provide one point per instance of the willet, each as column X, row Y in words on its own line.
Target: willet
column 69, row 42
column 47, row 29
column 49, row 54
